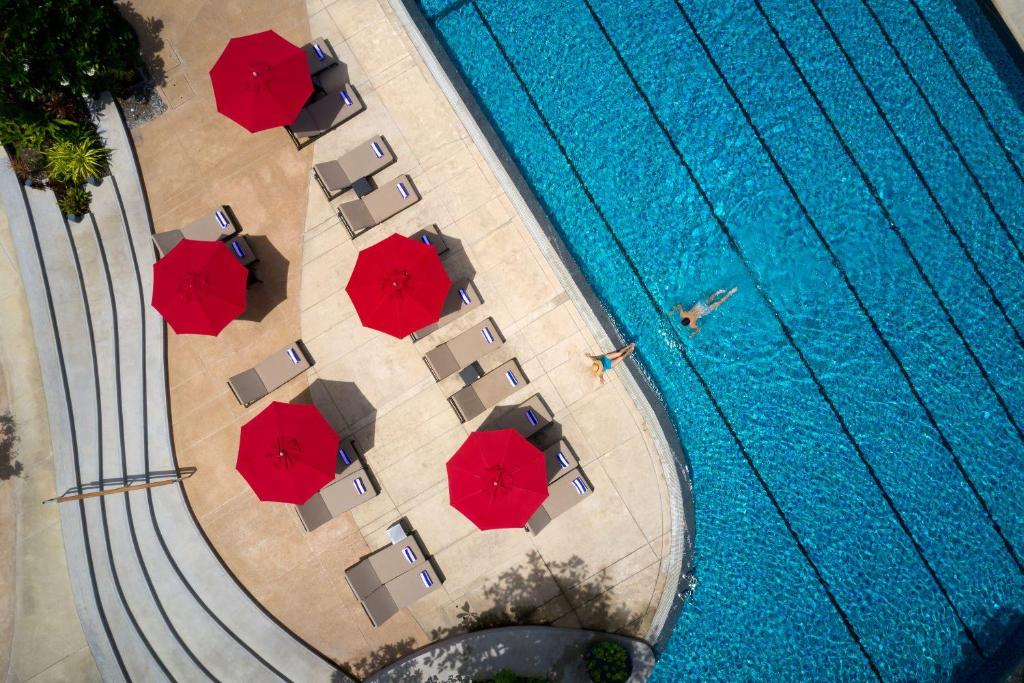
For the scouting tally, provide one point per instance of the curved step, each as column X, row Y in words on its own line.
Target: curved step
column 155, row 600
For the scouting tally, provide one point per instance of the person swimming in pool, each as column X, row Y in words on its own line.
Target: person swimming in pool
column 607, row 361
column 689, row 317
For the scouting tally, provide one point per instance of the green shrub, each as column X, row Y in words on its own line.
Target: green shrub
column 75, row 201
column 75, row 161
column 608, row 662
column 76, row 47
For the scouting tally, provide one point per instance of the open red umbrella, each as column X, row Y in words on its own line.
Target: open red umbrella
column 398, row 286
column 287, row 452
column 497, row 479
column 261, row 81
column 199, row 287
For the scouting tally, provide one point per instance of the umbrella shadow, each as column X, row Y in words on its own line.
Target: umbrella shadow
column 270, row 286
column 339, row 71
column 455, row 260
column 346, row 409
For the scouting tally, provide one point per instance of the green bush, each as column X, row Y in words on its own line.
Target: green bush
column 75, row 47
column 75, row 201
column 608, row 662
column 75, row 161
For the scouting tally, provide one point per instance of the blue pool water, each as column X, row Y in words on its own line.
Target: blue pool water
column 853, row 417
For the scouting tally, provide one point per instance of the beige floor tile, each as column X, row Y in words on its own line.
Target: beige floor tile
column 601, row 417
column 353, row 16
column 438, row 524
column 637, row 483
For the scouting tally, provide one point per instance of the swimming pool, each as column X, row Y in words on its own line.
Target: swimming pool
column 853, row 417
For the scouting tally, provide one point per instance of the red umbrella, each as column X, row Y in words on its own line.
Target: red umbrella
column 261, row 81
column 199, row 287
column 287, row 452
column 497, row 479
column 398, row 286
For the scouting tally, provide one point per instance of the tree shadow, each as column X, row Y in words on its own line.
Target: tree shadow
column 272, row 275
column 531, row 593
column 1004, row 628
column 150, row 42
column 392, row 652
column 9, row 466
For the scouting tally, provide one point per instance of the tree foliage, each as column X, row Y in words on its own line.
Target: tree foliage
column 63, row 47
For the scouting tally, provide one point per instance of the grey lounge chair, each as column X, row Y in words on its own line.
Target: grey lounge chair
column 563, row 493
column 560, row 460
column 390, row 198
column 431, row 235
column 463, row 297
column 527, row 418
column 319, row 56
column 326, row 504
column 325, row 114
column 464, row 349
column 282, row 366
column 344, row 493
column 334, row 177
column 487, row 391
column 386, row 564
column 216, row 225
column 242, row 250
column 401, row 592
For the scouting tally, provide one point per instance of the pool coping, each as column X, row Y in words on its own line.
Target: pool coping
column 677, row 563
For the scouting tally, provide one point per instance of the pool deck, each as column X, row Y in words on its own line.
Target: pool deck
column 604, row 565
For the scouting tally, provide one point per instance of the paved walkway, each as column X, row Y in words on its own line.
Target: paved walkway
column 154, row 600
column 555, row 654
column 40, row 635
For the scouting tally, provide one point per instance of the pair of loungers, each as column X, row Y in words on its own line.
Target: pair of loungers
column 335, row 100
column 391, row 579
column 269, row 374
column 217, row 226
column 352, row 486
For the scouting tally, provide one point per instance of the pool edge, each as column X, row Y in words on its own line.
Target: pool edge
column 677, row 564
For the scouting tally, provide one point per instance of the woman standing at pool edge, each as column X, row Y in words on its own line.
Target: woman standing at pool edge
column 607, row 361
column 701, row 309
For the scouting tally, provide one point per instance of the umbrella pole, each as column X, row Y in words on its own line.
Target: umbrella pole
column 179, row 475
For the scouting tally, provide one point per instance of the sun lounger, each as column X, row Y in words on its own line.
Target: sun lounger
column 487, row 391
column 388, row 199
column 527, row 418
column 282, row 366
column 319, row 56
column 334, row 177
column 431, row 235
column 566, row 491
column 216, row 225
column 324, row 506
column 386, row 564
column 242, row 251
column 560, row 460
column 462, row 298
column 401, row 592
column 464, row 349
column 325, row 114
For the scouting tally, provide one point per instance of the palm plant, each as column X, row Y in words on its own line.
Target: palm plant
column 74, row 161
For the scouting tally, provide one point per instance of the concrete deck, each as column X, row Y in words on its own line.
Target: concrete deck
column 601, row 566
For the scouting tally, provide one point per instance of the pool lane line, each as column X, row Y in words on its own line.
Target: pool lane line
column 69, row 407
column 945, row 132
column 988, row 380
column 822, row 391
column 970, row 93
column 99, row 451
column 145, row 445
column 866, row 179
column 917, row 170
column 124, row 453
column 683, row 353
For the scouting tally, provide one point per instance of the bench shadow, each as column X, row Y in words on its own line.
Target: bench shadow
column 272, row 274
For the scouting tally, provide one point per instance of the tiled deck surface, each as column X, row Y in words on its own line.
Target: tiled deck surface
column 598, row 566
